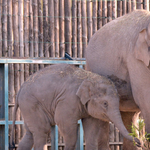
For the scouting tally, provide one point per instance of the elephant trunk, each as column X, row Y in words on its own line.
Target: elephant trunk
column 117, row 120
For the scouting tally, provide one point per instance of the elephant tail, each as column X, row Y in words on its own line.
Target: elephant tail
column 12, row 144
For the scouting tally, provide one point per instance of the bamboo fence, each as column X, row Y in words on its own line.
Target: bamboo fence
column 49, row 28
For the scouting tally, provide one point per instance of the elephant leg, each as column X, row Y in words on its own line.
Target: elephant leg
column 27, row 141
column 68, row 128
column 103, row 141
column 129, row 118
column 40, row 140
column 94, row 135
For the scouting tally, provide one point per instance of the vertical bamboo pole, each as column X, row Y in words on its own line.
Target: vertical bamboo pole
column 1, row 29
column 99, row 14
column 104, row 12
column 35, row 31
column 79, row 29
column 94, row 16
column 138, row 4
column 124, row 7
column 117, row 147
column 4, row 28
column 112, row 136
column 51, row 28
column 133, row 5
column 113, row 9
column 40, row 28
column 84, row 27
column 61, row 25
column 109, row 10
column 16, row 54
column 56, row 12
column 128, row 6
column 74, row 28
column 68, row 26
column 11, row 66
column 145, row 4
column 31, row 52
column 26, row 35
column 89, row 19
column 119, row 8
column 21, row 48
column 45, row 28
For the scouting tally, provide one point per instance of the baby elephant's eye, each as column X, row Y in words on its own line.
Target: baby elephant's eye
column 105, row 104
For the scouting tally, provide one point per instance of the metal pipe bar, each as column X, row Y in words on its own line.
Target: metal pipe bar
column 6, row 105
column 40, row 61
column 3, row 122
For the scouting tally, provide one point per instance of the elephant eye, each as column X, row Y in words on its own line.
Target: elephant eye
column 105, row 104
column 149, row 49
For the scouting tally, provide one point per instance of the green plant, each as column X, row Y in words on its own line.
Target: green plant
column 138, row 132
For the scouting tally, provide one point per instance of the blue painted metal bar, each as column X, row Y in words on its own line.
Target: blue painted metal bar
column 56, row 137
column 3, row 122
column 6, row 106
column 41, row 61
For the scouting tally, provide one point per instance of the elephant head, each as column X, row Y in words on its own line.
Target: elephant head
column 102, row 101
column 142, row 46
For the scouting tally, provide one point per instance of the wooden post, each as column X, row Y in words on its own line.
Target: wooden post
column 84, row 27
column 51, row 28
column 1, row 29
column 31, row 52
column 68, row 26
column 16, row 54
column 45, row 28
column 117, row 147
column 128, row 6
column 109, row 10
column 145, row 4
column 89, row 19
column 61, row 25
column 119, row 9
column 4, row 28
column 113, row 9
column 124, row 7
column 40, row 29
column 94, row 17
column 26, row 36
column 74, row 29
column 133, row 5
column 79, row 29
column 99, row 14
column 56, row 13
column 104, row 12
column 138, row 4
column 21, row 49
column 11, row 66
column 35, row 31
column 112, row 136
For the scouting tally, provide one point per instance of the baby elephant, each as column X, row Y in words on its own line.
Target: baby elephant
column 62, row 94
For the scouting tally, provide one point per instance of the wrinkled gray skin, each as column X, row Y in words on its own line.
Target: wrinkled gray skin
column 121, row 50
column 63, row 94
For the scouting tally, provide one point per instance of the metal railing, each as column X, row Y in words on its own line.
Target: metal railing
column 6, row 122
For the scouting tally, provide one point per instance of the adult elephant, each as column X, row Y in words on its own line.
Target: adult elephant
column 121, row 50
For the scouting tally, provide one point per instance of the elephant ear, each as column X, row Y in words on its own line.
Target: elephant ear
column 141, row 48
column 84, row 91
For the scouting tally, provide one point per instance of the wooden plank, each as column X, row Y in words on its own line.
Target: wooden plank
column 67, row 6
column 84, row 27
column 79, row 30
column 51, row 29
column 74, row 28
column 61, row 28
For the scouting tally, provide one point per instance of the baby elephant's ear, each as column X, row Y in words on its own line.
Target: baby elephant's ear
column 83, row 91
